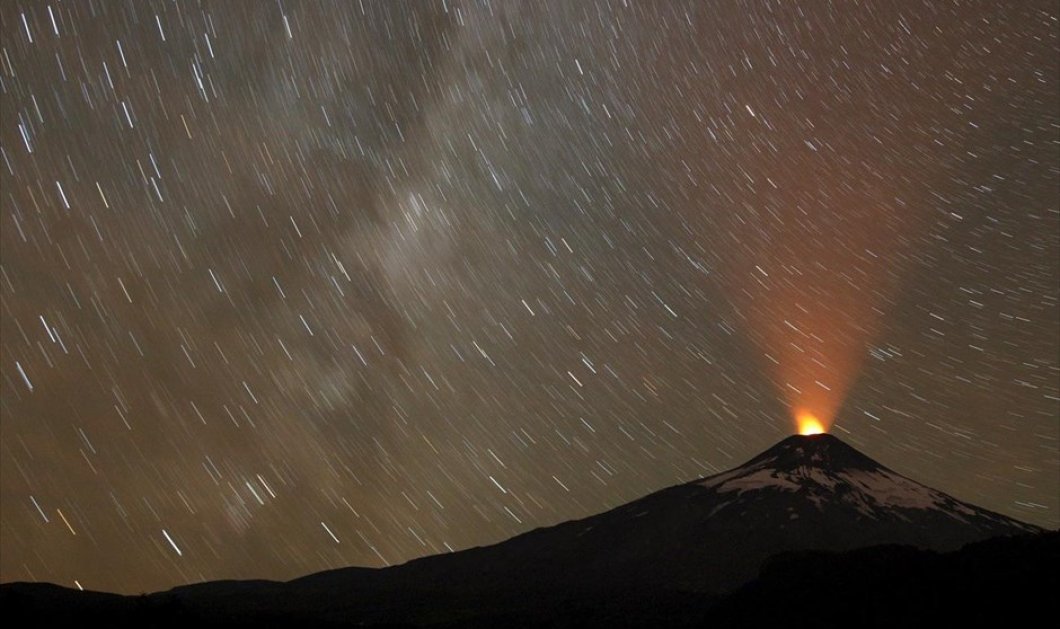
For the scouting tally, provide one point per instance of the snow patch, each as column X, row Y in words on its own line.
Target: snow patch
column 718, row 479
column 894, row 491
column 759, row 480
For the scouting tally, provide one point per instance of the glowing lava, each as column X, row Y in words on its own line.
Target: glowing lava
column 809, row 424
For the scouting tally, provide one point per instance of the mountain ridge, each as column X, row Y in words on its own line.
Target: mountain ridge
column 703, row 538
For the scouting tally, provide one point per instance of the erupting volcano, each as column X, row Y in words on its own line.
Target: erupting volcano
column 701, row 538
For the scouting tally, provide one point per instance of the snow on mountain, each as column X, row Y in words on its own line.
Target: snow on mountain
column 824, row 470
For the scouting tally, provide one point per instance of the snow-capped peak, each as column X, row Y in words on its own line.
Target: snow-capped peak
column 824, row 471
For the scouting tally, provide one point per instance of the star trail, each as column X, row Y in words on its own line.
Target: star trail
column 290, row 286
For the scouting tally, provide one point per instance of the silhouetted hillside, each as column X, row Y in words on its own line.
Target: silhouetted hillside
column 810, row 532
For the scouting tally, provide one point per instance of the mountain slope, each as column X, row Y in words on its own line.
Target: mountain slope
column 679, row 550
column 711, row 535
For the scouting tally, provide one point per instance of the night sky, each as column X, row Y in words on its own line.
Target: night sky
column 289, row 286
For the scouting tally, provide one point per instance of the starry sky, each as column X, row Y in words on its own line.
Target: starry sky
column 289, row 286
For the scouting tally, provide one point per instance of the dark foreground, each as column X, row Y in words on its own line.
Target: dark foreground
column 1002, row 582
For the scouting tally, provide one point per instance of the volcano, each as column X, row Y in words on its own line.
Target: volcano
column 713, row 534
column 678, row 549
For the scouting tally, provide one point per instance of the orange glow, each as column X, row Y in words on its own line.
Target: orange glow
column 809, row 424
column 808, row 282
